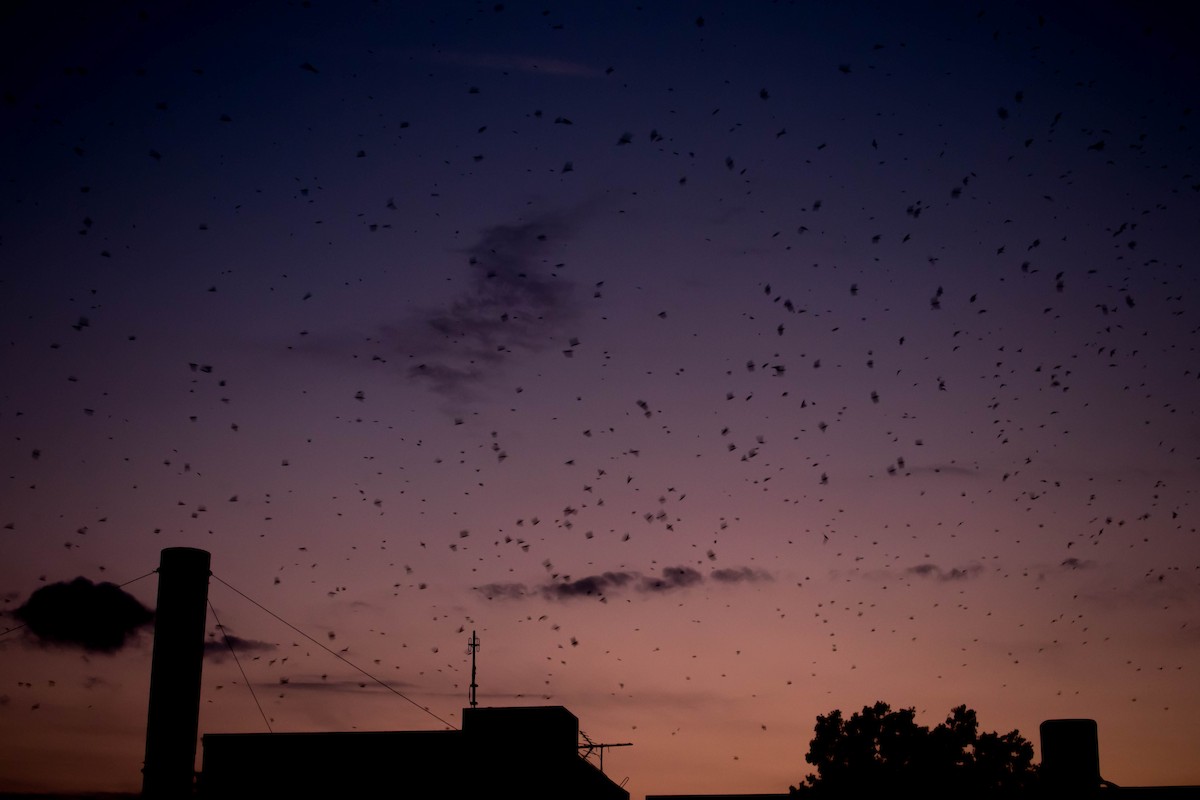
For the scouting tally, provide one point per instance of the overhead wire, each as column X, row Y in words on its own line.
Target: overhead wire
column 229, row 644
column 337, row 655
column 236, row 660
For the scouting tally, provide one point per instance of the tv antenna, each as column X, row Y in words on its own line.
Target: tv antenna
column 588, row 746
column 472, row 648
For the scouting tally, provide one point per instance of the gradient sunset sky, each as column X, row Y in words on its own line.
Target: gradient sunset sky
column 720, row 364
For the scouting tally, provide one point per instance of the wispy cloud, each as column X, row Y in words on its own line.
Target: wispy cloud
column 591, row 586
column 218, row 649
column 515, row 303
column 610, row 583
column 504, row 591
column 309, row 684
column 953, row 574
column 1055, row 571
column 741, row 575
column 672, row 578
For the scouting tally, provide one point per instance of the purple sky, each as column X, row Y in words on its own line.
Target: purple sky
column 720, row 366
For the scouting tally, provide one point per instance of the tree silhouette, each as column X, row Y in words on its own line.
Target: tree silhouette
column 880, row 751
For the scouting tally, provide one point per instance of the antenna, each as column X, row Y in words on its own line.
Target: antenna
column 588, row 747
column 472, row 648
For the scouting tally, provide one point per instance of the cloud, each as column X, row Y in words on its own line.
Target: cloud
column 952, row 574
column 514, row 304
column 591, row 586
column 740, row 575
column 609, row 583
column 1047, row 572
column 503, row 591
column 218, row 649
column 97, row 617
column 672, row 578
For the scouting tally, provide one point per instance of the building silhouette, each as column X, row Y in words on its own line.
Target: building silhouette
column 527, row 752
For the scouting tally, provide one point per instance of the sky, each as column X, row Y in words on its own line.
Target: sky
column 719, row 364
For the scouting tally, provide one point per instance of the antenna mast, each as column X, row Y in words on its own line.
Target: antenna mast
column 472, row 648
column 588, row 747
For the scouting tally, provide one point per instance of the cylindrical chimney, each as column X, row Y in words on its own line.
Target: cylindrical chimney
column 174, row 714
column 1070, row 756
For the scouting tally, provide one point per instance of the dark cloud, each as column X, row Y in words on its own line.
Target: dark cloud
column 98, row 617
column 672, row 578
column 607, row 583
column 591, row 586
column 515, row 303
column 952, row 574
column 218, row 649
column 503, row 591
column 740, row 575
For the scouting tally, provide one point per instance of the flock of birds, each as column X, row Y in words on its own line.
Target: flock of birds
column 631, row 364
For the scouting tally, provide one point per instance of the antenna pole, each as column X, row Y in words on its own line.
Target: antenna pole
column 588, row 747
column 472, row 648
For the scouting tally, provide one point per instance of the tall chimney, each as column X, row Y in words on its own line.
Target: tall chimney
column 1070, row 757
column 174, row 714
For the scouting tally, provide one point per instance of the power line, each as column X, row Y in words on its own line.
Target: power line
column 237, row 661
column 135, row 580
column 338, row 656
